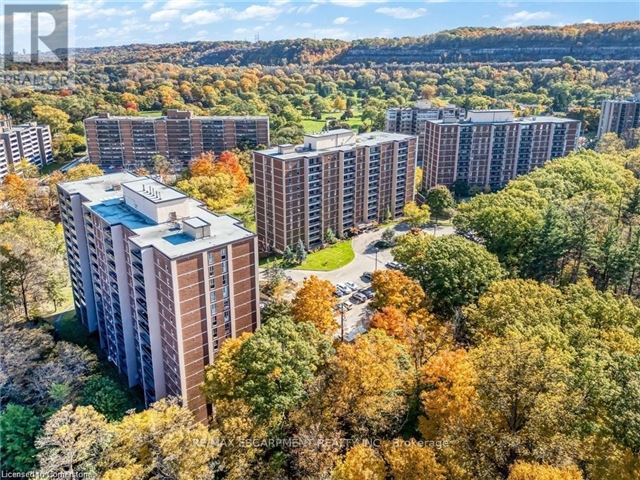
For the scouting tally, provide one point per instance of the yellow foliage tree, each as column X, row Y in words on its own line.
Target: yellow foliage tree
column 536, row 471
column 314, row 304
column 203, row 165
column 393, row 321
column 394, row 289
column 411, row 461
column 360, row 463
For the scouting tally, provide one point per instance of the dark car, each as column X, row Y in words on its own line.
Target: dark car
column 367, row 292
column 367, row 276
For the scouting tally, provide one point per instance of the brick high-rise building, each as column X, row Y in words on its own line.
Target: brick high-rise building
column 163, row 280
column 490, row 147
column 131, row 142
column 335, row 180
column 412, row 120
column 30, row 141
column 619, row 116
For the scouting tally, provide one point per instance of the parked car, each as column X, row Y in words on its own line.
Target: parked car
column 382, row 244
column 344, row 307
column 367, row 276
column 359, row 297
column 352, row 286
column 393, row 265
column 367, row 292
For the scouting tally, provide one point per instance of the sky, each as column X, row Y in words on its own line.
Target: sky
column 110, row 22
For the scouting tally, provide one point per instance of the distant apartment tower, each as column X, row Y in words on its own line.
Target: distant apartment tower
column 30, row 141
column 335, row 180
column 619, row 116
column 490, row 147
column 131, row 142
column 412, row 120
column 163, row 280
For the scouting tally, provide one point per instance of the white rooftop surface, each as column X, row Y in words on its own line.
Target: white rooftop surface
column 168, row 237
column 362, row 140
column 97, row 189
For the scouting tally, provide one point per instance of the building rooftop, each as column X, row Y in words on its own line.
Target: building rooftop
column 500, row 116
column 188, row 228
column 350, row 139
column 182, row 116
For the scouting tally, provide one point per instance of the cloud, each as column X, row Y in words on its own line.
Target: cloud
column 436, row 1
column 523, row 16
column 181, row 4
column 507, row 4
column 252, row 12
column 354, row 3
column 589, row 20
column 340, row 20
column 402, row 13
column 164, row 15
column 148, row 4
column 302, row 9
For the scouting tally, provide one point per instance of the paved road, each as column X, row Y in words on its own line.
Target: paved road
column 356, row 320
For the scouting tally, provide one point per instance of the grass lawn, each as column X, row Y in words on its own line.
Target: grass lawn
column 329, row 258
column 311, row 125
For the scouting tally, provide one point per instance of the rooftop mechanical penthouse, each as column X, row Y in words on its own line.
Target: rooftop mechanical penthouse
column 335, row 180
column 163, row 280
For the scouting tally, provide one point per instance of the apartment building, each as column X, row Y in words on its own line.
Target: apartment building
column 619, row 116
column 490, row 147
column 30, row 141
column 412, row 120
column 131, row 142
column 335, row 180
column 161, row 279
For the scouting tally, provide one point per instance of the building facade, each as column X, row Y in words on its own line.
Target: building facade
column 336, row 180
column 490, row 147
column 619, row 116
column 30, row 141
column 412, row 121
column 161, row 279
column 131, row 142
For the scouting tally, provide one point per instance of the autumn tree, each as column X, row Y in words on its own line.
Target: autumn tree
column 72, row 442
column 361, row 462
column 314, row 303
column 164, row 440
column 393, row 321
column 416, row 216
column 203, row 165
column 368, row 383
column 161, row 166
column 537, row 471
column 394, row 289
column 57, row 119
column 408, row 460
column 610, row 143
column 82, row 171
column 16, row 191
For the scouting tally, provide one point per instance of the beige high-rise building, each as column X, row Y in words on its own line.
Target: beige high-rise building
column 619, row 116
column 335, row 180
column 490, row 147
column 131, row 142
column 161, row 279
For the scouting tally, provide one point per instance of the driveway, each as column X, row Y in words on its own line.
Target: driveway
column 356, row 320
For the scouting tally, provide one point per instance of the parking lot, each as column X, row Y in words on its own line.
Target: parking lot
column 367, row 259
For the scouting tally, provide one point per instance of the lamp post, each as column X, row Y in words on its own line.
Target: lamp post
column 375, row 269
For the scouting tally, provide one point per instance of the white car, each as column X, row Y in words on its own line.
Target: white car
column 352, row 286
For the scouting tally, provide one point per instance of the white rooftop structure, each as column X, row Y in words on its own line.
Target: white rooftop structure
column 159, row 215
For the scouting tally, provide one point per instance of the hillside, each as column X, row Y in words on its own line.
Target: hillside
column 614, row 41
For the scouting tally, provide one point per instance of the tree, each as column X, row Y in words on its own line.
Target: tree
column 106, row 396
column 440, row 200
column 288, row 256
column 388, row 235
column 19, row 426
column 536, row 471
column 415, row 215
column 314, row 303
column 394, row 289
column 32, row 254
column 393, row 321
column 360, row 463
column 454, row 271
column 330, row 237
column 72, row 442
column 65, row 146
column 610, row 143
column 203, row 165
column 16, row 191
column 301, row 252
column 162, row 441
column 57, row 119
column 368, row 385
column 408, row 460
column 216, row 191
column 27, row 169
column 160, row 166
column 82, row 171
column 270, row 370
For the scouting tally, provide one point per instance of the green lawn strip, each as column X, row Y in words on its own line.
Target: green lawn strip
column 329, row 258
